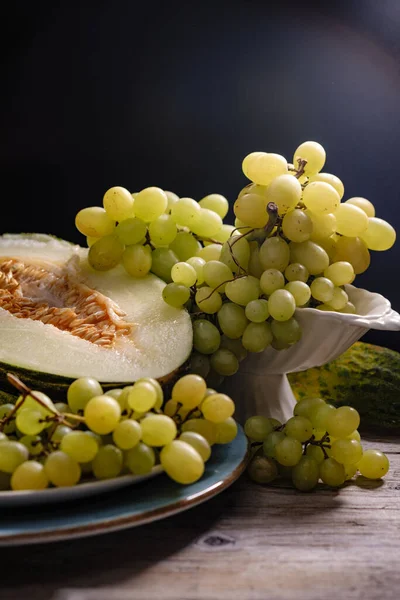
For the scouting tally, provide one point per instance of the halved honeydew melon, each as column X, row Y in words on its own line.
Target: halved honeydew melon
column 148, row 338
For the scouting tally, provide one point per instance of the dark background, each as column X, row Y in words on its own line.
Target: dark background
column 97, row 94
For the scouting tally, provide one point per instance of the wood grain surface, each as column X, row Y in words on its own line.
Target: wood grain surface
column 249, row 543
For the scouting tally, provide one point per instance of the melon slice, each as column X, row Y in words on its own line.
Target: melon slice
column 60, row 319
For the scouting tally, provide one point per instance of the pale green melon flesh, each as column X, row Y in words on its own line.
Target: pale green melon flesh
column 161, row 338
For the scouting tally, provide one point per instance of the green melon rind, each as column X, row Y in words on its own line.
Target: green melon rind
column 366, row 377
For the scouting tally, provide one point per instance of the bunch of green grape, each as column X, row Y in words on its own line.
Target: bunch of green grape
column 320, row 442
column 103, row 435
column 295, row 244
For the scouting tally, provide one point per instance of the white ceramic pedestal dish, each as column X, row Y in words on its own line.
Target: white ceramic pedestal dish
column 261, row 386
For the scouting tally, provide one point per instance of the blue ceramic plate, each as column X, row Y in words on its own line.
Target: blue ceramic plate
column 129, row 506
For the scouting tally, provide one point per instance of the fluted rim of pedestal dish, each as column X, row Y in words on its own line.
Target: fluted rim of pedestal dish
column 380, row 314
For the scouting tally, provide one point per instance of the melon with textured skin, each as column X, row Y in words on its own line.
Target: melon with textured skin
column 366, row 377
column 148, row 338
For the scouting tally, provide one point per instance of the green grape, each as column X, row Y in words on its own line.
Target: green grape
column 185, row 245
column 162, row 231
column 208, row 300
column 219, row 204
column 257, row 336
column 142, row 397
column 235, row 346
column 199, row 364
column 131, row 231
column 198, row 442
column 150, row 203
column 30, row 421
column 286, row 332
column 300, row 291
column 258, row 428
column 206, row 428
column 171, row 408
column 263, row 167
column 257, row 311
column 226, row 431
column 305, row 474
column 94, row 222
column 102, row 414
column 12, row 455
column 271, row 280
column 296, row 272
column 251, row 210
column 355, row 436
column 223, row 234
column 346, row 451
column 331, row 472
column 288, row 451
column 255, row 267
column 374, row 464
column 262, row 469
column 285, row 192
column 348, row 308
column 243, row 290
column 210, row 252
column 232, row 320
column 106, row 253
column 304, row 407
column 5, row 410
column 62, row 407
column 206, row 337
column 297, row 225
column 176, row 295
column 364, row 204
column 311, row 255
column 29, row 475
column 79, row 446
column 91, row 240
column 379, row 235
column 217, row 274
column 185, row 212
column 323, row 225
column 127, row 434
column 334, row 181
column 141, row 459
column 162, row 261
column 299, row 428
column 158, row 389
column 182, row 462
column 271, row 441
column 115, row 393
column 189, row 391
column 339, row 299
column 158, row 430
column 207, row 223
column 45, row 406
column 350, row 471
column 274, row 254
column 320, row 415
column 81, row 391
column 281, row 305
column 316, row 453
column 172, row 199
column 354, row 251
column 198, row 264
column 33, row 444
column 224, row 362
column 108, row 462
column 137, row 260
column 339, row 273
column 59, row 432
column 322, row 289
column 62, row 470
column 351, row 220
column 313, row 153
column 118, row 203
column 240, row 227
column 235, row 253
column 321, row 197
column 184, row 274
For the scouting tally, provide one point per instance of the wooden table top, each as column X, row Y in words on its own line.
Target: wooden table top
column 249, row 543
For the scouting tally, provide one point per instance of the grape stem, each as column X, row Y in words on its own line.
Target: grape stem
column 300, row 170
column 219, row 285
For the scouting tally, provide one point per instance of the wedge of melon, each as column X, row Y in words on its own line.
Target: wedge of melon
column 60, row 319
